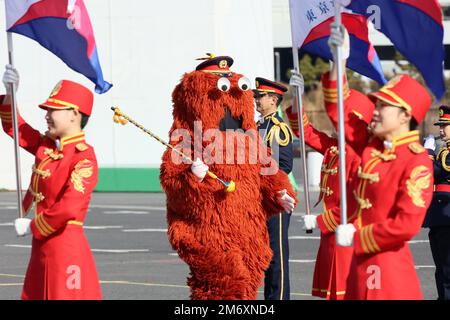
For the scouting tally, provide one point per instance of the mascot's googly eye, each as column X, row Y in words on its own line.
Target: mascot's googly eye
column 244, row 83
column 223, row 84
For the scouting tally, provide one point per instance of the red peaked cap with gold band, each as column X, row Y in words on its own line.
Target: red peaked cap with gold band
column 264, row 86
column 70, row 95
column 444, row 116
column 216, row 65
column 405, row 92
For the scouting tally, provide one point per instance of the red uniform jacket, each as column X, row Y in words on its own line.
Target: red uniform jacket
column 332, row 262
column 393, row 193
column 61, row 264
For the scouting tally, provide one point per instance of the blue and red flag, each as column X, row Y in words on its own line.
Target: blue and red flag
column 311, row 25
column 416, row 30
column 64, row 28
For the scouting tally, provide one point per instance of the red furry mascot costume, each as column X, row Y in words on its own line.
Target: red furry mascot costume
column 221, row 235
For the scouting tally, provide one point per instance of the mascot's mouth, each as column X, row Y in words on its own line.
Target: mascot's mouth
column 230, row 123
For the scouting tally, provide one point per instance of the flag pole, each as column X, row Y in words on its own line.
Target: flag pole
column 298, row 101
column 16, row 129
column 341, row 126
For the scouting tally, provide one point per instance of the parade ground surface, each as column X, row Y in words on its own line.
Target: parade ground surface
column 128, row 235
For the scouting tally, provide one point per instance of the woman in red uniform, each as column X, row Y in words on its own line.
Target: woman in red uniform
column 393, row 192
column 64, row 175
column 332, row 262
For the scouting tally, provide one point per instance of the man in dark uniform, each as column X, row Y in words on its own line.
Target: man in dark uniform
column 278, row 136
column 438, row 215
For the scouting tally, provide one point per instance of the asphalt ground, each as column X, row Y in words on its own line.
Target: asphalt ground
column 127, row 233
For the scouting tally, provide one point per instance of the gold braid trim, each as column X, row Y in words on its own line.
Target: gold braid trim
column 329, row 171
column 363, row 203
column 274, row 132
column 444, row 160
column 38, row 196
column 383, row 156
column 44, row 173
column 52, row 154
column 372, row 177
column 327, row 191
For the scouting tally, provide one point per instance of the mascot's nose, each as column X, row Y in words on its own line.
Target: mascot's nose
column 229, row 123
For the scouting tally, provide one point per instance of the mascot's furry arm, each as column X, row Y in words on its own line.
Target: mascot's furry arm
column 180, row 184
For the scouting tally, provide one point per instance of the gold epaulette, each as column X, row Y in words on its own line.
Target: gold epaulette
column 275, row 131
column 81, row 147
column 416, row 147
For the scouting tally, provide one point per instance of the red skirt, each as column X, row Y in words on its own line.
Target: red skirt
column 388, row 275
column 332, row 269
column 62, row 268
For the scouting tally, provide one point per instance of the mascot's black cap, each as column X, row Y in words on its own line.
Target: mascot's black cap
column 217, row 65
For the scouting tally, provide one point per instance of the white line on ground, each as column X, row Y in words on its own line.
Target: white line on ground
column 11, row 205
column 126, row 212
column 99, row 206
column 7, row 224
column 425, row 267
column 119, row 250
column 418, row 241
column 93, row 250
column 18, row 245
column 127, row 207
column 144, row 230
column 101, row 227
column 302, row 261
column 11, row 275
column 303, row 238
column 172, row 286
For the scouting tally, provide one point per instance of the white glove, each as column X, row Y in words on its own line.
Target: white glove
column 199, row 169
column 286, row 201
column 11, row 75
column 22, row 226
column 344, row 235
column 430, row 142
column 309, row 222
column 339, row 38
column 297, row 81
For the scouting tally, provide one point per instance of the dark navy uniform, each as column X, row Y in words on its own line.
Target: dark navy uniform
column 438, row 215
column 278, row 137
